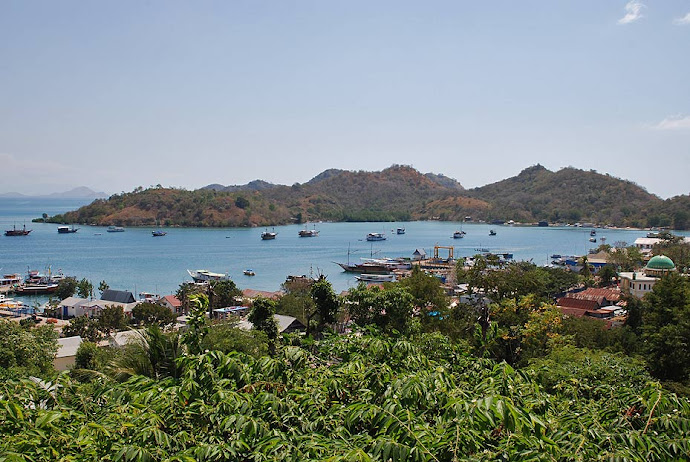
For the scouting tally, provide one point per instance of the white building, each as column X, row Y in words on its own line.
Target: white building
column 639, row 283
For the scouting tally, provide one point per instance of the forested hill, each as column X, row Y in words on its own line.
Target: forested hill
column 568, row 195
column 394, row 194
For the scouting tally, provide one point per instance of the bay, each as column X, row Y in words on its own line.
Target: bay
column 136, row 261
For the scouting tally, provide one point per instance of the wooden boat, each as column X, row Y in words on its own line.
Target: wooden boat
column 268, row 235
column 492, row 232
column 308, row 233
column 459, row 234
column 400, row 231
column 17, row 232
column 367, row 267
column 158, row 233
column 249, row 272
column 376, row 277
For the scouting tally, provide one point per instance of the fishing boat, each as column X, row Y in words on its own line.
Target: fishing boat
column 115, row 229
column 592, row 239
column 376, row 237
column 492, row 232
column 249, row 272
column 268, row 235
column 375, row 277
column 203, row 275
column 17, row 232
column 400, row 231
column 158, row 233
column 67, row 229
column 593, row 233
column 366, row 267
column 459, row 234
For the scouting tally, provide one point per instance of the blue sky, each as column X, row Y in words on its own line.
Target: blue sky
column 114, row 95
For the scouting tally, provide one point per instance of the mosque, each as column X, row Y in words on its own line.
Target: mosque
column 639, row 283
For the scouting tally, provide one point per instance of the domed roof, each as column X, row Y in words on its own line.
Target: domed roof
column 661, row 262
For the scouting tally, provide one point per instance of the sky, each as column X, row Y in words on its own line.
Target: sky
column 115, row 95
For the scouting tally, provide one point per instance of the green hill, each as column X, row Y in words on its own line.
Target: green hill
column 395, row 194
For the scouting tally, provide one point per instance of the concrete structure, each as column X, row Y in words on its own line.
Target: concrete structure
column 66, row 353
column 641, row 283
column 171, row 302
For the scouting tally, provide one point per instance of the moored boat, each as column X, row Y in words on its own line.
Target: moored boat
column 17, row 232
column 158, row 233
column 367, row 267
column 67, row 229
column 268, row 235
column 375, row 277
column 203, row 275
column 308, row 233
column 459, row 234
column 492, row 232
column 376, row 237
column 400, row 231
column 249, row 272
column 115, row 229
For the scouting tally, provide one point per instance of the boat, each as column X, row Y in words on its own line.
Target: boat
column 37, row 288
column 492, row 232
column 203, row 275
column 376, row 237
column 459, row 234
column 158, row 233
column 308, row 233
column 593, row 233
column 17, row 232
column 67, row 229
column 268, row 235
column 8, row 281
column 400, row 231
column 366, row 267
column 249, row 272
column 115, row 229
column 375, row 277
column 592, row 239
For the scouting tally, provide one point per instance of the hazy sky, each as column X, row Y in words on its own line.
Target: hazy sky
column 113, row 95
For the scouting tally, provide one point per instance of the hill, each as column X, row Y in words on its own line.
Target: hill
column 568, row 195
column 397, row 193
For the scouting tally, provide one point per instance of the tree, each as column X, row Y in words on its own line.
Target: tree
column 111, row 318
column 325, row 304
column 103, row 286
column 666, row 328
column 153, row 354
column 606, row 274
column 152, row 313
column 428, row 294
column 390, row 310
column 85, row 288
column 66, row 288
column 84, row 327
column 224, row 293
column 26, row 351
column 86, row 357
column 262, row 318
column 197, row 326
column 226, row 337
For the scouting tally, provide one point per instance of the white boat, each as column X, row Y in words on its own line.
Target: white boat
column 249, row 272
column 203, row 275
column 376, row 277
column 67, row 229
column 115, row 229
column 400, row 230
column 459, row 234
column 376, row 237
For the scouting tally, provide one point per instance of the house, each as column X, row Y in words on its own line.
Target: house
column 419, row 254
column 71, row 307
column 171, row 302
column 286, row 324
column 66, row 353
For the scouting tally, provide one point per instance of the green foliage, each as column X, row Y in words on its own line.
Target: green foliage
column 147, row 314
column 111, row 318
column 103, row 286
column 86, row 357
column 261, row 317
column 428, row 295
column 225, row 337
column 390, row 310
column 84, row 288
column 66, row 288
column 223, row 293
column 152, row 354
column 359, row 397
column 26, row 351
column 666, row 328
column 197, row 327
column 325, row 304
column 83, row 326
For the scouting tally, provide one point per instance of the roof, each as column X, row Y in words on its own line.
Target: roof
column 419, row 252
column 119, row 296
column 286, row 324
column 68, row 346
column 601, row 296
column 568, row 302
column 251, row 293
column 73, row 301
column 172, row 300
column 660, row 262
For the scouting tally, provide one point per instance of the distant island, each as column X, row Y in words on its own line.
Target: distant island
column 398, row 193
column 81, row 192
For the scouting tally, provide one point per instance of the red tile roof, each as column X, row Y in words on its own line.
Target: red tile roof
column 569, row 302
column 173, row 301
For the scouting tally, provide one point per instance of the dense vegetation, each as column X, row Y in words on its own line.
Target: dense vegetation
column 508, row 378
column 395, row 194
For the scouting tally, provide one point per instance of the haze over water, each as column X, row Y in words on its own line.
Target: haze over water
column 136, row 261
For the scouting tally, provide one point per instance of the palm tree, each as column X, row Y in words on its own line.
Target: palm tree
column 152, row 354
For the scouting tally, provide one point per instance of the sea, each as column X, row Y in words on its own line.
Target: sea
column 136, row 261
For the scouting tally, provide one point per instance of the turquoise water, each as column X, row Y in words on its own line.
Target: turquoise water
column 136, row 261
